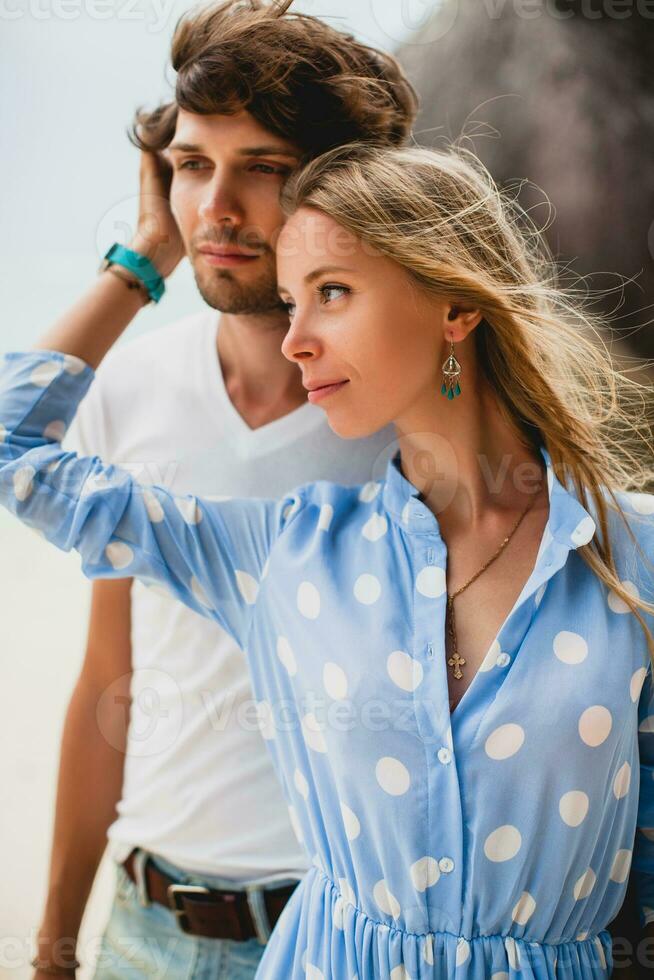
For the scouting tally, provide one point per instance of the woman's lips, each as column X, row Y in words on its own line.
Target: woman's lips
column 319, row 393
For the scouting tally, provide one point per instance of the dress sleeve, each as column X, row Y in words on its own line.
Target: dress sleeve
column 210, row 553
column 643, row 856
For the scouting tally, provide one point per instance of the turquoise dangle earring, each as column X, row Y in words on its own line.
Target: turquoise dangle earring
column 451, row 374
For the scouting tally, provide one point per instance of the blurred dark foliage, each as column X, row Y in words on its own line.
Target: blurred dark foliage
column 565, row 95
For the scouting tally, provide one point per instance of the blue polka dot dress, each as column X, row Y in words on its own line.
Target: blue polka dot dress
column 495, row 841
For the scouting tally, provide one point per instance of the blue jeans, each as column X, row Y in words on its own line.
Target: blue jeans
column 144, row 941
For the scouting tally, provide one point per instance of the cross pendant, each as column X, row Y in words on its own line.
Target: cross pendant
column 455, row 662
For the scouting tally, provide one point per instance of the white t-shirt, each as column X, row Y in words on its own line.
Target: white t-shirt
column 199, row 789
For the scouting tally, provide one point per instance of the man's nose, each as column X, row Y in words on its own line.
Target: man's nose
column 220, row 201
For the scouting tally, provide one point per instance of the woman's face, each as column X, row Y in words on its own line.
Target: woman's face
column 356, row 318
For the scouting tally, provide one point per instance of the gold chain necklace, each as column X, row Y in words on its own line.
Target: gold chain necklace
column 455, row 660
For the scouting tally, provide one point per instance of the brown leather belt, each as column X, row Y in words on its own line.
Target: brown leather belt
column 209, row 912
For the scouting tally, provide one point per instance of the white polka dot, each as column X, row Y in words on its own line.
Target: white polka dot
column 347, row 891
column 199, row 593
column 647, row 725
column 339, row 906
column 502, row 975
column 584, row 531
column 573, row 807
column 95, row 482
column 286, row 655
column 392, row 776
column 313, row 973
column 399, row 973
column 636, row 683
column 428, row 950
column 73, row 364
column 584, row 885
column 617, row 603
column 3, row 432
column 23, row 482
column 503, row 843
column 600, row 951
column 313, row 733
column 523, row 909
column 325, row 519
column 266, row 719
column 55, row 430
column 642, row 503
column 621, row 781
column 512, row 952
column 351, row 822
column 189, row 509
column 621, row 865
column 301, row 784
column 44, row 373
column 404, row 671
column 424, row 873
column 462, row 951
column 540, row 592
column 406, row 512
column 153, row 507
column 385, row 899
column 581, row 936
column 431, row 581
column 308, row 600
column 595, row 724
column 295, row 824
column 375, row 527
column 367, row 589
column 369, row 491
column 247, row 586
column 570, row 648
column 335, row 680
column 505, row 741
column 490, row 659
column 119, row 554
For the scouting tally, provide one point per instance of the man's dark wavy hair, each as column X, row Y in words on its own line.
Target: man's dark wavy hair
column 300, row 78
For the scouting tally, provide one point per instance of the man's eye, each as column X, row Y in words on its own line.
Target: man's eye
column 267, row 168
column 188, row 165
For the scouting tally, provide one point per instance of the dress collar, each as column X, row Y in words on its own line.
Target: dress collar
column 569, row 522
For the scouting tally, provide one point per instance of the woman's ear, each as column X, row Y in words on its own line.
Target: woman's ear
column 461, row 321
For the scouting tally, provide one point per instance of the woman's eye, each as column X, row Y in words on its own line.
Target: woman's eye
column 330, row 288
column 290, row 308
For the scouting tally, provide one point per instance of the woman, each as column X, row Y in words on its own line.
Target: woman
column 470, row 805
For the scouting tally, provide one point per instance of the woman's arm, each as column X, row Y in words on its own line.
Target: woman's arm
column 210, row 554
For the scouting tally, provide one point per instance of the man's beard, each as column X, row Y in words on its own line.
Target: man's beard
column 221, row 290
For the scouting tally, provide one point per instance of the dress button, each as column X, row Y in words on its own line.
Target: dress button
column 446, row 864
column 444, row 755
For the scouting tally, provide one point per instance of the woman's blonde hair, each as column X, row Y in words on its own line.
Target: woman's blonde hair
column 440, row 215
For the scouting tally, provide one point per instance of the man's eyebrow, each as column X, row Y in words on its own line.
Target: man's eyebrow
column 316, row 274
column 246, row 151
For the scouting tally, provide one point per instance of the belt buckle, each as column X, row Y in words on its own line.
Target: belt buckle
column 175, row 893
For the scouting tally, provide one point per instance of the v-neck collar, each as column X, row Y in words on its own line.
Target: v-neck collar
column 270, row 436
column 569, row 525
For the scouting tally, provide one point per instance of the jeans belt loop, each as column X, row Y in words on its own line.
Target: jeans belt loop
column 259, row 912
column 140, row 860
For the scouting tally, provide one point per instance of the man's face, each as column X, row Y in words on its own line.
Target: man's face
column 228, row 172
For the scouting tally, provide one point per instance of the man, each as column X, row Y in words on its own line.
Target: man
column 207, row 404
